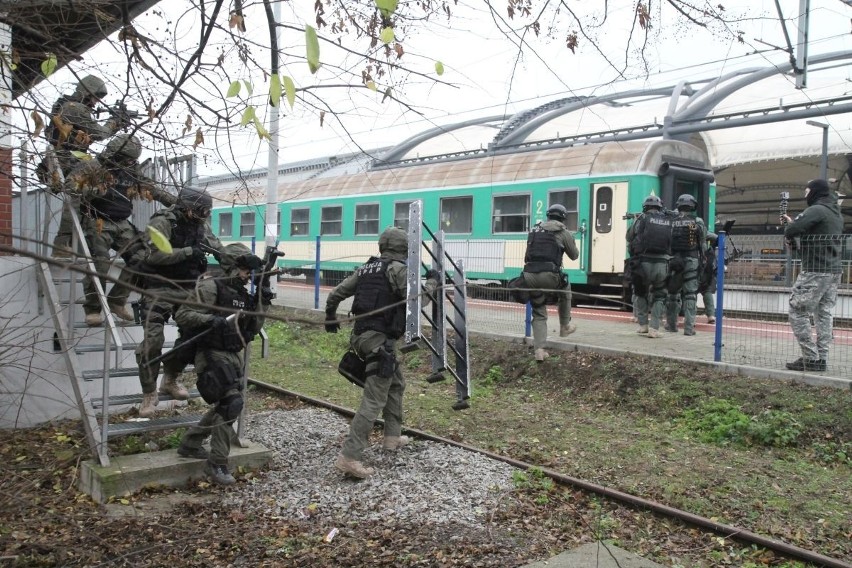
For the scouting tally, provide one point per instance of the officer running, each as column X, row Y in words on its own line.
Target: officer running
column 380, row 288
column 169, row 280
column 688, row 235
column 650, row 241
column 546, row 244
column 220, row 356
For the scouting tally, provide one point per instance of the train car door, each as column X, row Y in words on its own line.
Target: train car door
column 609, row 203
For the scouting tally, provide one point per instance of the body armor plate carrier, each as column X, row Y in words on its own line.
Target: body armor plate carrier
column 374, row 293
column 543, row 251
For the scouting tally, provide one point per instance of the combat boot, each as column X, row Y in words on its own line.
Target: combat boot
column 711, row 319
column 541, row 354
column 393, row 443
column 172, row 387
column 149, row 404
column 566, row 330
column 642, row 329
column 62, row 252
column 120, row 312
column 94, row 319
column 218, row 474
column 353, row 467
column 654, row 333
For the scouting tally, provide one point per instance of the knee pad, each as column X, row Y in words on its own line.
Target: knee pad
column 229, row 408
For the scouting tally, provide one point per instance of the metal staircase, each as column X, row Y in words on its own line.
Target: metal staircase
column 104, row 354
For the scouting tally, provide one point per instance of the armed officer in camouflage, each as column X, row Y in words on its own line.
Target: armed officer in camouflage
column 169, row 279
column 72, row 128
column 107, row 187
column 546, row 244
column 377, row 286
column 650, row 242
column 819, row 228
column 220, row 355
column 688, row 235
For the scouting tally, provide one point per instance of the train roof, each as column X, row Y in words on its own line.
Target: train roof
column 577, row 161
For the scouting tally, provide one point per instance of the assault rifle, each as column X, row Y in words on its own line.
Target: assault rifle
column 735, row 253
column 262, row 292
column 119, row 111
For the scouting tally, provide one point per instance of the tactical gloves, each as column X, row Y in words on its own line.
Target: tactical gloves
column 198, row 255
column 331, row 325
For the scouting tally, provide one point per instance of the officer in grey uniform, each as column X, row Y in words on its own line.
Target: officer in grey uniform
column 688, row 235
column 819, row 228
column 650, row 241
column 220, row 356
column 546, row 244
column 376, row 285
column 72, row 128
column 107, row 186
column 707, row 280
column 169, row 279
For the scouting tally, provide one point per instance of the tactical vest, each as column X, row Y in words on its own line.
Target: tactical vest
column 183, row 235
column 232, row 298
column 373, row 292
column 685, row 235
column 654, row 235
column 115, row 204
column 543, row 249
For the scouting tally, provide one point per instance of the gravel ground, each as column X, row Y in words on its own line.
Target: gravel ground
column 423, row 483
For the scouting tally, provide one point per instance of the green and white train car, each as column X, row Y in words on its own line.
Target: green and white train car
column 485, row 206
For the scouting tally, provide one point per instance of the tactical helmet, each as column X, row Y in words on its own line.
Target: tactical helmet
column 75, row 114
column 686, row 201
column 196, row 200
column 393, row 239
column 652, row 201
column 238, row 255
column 123, row 146
column 557, row 211
column 91, row 86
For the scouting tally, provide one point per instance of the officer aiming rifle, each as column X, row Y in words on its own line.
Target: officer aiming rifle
column 119, row 113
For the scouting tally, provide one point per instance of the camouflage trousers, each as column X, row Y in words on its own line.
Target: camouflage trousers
column 159, row 303
column 689, row 290
column 548, row 282
column 113, row 235
column 220, row 431
column 381, row 395
column 814, row 294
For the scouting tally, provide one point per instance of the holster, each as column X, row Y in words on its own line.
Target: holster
column 387, row 361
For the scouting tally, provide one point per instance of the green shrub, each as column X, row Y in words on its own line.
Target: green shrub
column 774, row 428
column 716, row 421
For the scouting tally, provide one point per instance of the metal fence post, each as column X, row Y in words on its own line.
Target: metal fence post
column 317, row 274
column 528, row 320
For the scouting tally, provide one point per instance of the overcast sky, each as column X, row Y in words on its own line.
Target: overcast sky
column 487, row 74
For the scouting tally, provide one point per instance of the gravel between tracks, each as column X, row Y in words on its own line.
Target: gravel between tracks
column 424, row 482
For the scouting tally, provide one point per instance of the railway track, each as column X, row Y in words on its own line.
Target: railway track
column 726, row 531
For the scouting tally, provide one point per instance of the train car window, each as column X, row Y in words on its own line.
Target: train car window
column 511, row 214
column 331, row 221
column 300, row 221
column 247, row 228
column 568, row 199
column 400, row 214
column 367, row 219
column 457, row 215
column 226, row 224
column 603, row 209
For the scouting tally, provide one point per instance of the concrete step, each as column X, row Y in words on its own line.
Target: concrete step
column 128, row 474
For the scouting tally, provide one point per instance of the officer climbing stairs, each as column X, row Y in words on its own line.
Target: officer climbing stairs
column 100, row 360
column 452, row 294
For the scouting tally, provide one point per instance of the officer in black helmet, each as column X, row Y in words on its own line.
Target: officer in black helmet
column 546, row 244
column 71, row 128
column 689, row 233
column 107, row 187
column 379, row 287
column 220, row 355
column 650, row 240
column 169, row 280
